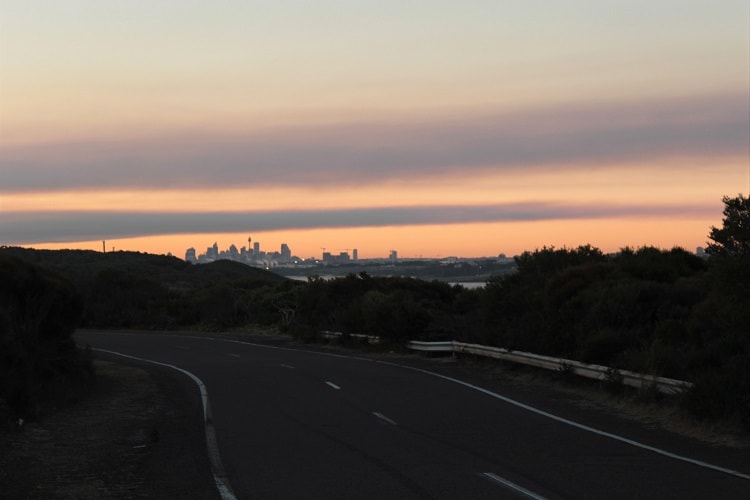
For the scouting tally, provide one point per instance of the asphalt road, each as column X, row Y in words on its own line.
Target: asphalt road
column 293, row 423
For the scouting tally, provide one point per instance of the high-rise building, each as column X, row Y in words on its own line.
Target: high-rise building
column 256, row 248
column 286, row 253
column 355, row 255
column 190, row 255
column 393, row 255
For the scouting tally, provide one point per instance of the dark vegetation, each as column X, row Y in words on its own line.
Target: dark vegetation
column 476, row 270
column 662, row 312
column 130, row 290
column 40, row 365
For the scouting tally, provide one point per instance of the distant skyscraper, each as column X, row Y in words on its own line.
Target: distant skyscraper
column 286, row 253
column 212, row 253
column 190, row 255
column 393, row 255
column 256, row 248
column 355, row 255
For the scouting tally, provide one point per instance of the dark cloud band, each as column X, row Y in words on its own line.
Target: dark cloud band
column 46, row 227
column 591, row 135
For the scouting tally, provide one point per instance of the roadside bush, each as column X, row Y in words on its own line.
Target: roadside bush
column 40, row 365
column 603, row 347
column 723, row 392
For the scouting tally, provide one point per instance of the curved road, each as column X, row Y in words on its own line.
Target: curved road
column 293, row 423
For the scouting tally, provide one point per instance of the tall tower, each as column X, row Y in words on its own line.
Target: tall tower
column 190, row 255
column 286, row 253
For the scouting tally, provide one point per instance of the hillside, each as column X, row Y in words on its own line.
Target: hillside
column 138, row 290
column 78, row 265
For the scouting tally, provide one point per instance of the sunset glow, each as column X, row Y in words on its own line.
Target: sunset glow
column 435, row 129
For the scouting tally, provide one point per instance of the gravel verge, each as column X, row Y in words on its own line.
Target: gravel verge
column 138, row 434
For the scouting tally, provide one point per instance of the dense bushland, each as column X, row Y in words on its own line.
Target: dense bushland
column 40, row 365
column 662, row 312
column 132, row 290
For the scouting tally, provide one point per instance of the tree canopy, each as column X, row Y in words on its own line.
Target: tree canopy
column 733, row 238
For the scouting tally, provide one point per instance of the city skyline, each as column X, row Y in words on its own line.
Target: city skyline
column 254, row 254
column 435, row 128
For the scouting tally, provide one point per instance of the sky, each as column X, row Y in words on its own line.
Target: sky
column 434, row 128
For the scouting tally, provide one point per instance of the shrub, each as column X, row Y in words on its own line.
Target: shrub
column 39, row 362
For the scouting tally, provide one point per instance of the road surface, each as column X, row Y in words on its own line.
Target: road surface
column 295, row 423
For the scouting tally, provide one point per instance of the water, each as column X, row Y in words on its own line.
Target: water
column 469, row 285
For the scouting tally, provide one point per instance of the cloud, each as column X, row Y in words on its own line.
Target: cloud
column 47, row 227
column 371, row 152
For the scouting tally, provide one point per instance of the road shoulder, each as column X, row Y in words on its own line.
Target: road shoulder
column 138, row 434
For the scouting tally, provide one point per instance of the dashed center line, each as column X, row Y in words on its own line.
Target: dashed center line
column 289, row 367
column 384, row 418
column 235, row 355
column 333, row 385
column 511, row 485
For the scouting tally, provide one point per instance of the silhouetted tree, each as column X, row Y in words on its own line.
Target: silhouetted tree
column 733, row 238
column 39, row 362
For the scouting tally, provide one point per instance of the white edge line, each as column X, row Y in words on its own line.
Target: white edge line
column 518, row 404
column 333, row 385
column 220, row 476
column 384, row 418
column 583, row 427
column 513, row 486
column 513, row 402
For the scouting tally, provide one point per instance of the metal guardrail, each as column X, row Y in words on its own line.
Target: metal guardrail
column 370, row 339
column 597, row 372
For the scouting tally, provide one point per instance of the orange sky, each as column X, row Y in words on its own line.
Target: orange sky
column 435, row 129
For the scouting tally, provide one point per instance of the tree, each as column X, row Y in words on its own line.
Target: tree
column 39, row 361
column 733, row 238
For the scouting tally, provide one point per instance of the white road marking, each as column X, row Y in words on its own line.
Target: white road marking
column 235, row 355
column 220, row 475
column 510, row 401
column 289, row 367
column 511, row 485
column 333, row 385
column 384, row 418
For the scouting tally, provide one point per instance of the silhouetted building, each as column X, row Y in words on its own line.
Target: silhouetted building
column 212, row 253
column 286, row 253
column 190, row 255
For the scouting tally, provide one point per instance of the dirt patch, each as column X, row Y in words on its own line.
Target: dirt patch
column 101, row 448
